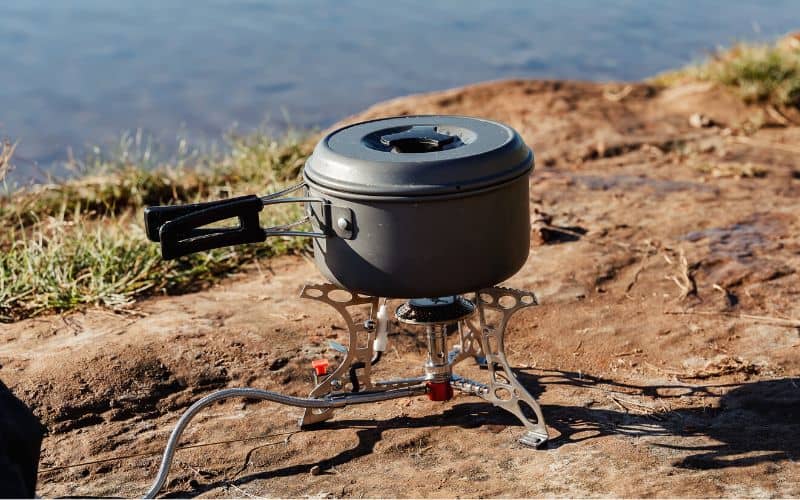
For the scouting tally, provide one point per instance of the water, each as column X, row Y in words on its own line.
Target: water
column 80, row 73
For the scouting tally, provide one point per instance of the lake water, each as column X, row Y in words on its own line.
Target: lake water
column 80, row 73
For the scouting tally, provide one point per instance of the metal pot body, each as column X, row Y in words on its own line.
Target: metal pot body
column 411, row 206
column 424, row 246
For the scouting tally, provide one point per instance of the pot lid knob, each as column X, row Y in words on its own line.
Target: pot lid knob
column 417, row 139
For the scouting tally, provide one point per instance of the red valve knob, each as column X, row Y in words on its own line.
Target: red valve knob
column 440, row 391
column 320, row 366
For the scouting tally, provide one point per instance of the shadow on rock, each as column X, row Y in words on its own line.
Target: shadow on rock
column 760, row 417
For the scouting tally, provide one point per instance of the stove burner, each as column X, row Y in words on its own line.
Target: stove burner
column 435, row 311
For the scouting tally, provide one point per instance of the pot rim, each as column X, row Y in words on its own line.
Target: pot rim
column 412, row 197
column 351, row 159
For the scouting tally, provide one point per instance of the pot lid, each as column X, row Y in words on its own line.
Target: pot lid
column 418, row 155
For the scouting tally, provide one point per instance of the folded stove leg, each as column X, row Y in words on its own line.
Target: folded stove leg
column 359, row 352
column 504, row 389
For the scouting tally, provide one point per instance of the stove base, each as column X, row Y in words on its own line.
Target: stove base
column 482, row 340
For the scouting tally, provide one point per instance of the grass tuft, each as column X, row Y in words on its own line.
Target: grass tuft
column 760, row 73
column 69, row 245
column 6, row 153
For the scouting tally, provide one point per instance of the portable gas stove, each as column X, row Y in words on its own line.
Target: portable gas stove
column 461, row 185
column 480, row 336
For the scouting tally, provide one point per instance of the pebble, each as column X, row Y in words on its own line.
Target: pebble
column 316, row 470
column 278, row 363
column 699, row 120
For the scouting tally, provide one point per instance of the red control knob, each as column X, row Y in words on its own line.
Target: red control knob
column 320, row 366
column 440, row 391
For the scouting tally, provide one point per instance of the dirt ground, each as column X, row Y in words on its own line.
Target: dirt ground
column 664, row 352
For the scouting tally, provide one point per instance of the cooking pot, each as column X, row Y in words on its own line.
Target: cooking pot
column 404, row 207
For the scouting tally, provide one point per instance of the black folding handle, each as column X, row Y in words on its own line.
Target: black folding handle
column 155, row 217
column 180, row 230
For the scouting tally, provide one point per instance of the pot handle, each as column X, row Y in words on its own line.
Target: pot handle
column 179, row 228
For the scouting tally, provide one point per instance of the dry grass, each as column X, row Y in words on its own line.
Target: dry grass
column 6, row 153
column 760, row 73
column 77, row 243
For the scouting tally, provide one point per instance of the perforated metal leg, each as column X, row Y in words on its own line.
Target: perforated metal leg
column 469, row 345
column 504, row 389
column 359, row 350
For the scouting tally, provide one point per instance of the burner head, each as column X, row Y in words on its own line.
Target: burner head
column 435, row 311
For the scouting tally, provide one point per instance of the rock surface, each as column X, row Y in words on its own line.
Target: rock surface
column 664, row 352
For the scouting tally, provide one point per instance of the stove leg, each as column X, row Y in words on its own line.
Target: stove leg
column 469, row 345
column 359, row 351
column 504, row 389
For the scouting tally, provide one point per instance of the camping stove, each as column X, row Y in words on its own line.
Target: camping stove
column 479, row 321
column 461, row 184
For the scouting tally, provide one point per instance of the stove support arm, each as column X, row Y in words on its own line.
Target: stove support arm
column 505, row 390
column 359, row 353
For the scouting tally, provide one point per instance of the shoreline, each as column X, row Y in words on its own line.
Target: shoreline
column 107, row 201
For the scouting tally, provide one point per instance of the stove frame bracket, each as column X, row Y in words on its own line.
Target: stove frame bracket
column 359, row 349
column 481, row 336
column 505, row 390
